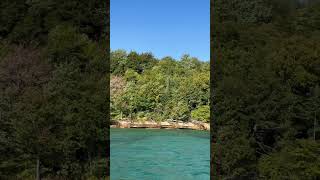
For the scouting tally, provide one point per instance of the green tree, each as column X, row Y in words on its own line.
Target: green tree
column 294, row 161
column 202, row 113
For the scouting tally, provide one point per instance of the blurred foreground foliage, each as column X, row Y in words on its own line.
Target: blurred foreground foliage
column 266, row 94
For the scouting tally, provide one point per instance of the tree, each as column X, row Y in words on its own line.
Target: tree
column 159, row 89
column 298, row 159
column 23, row 78
column 264, row 99
column 202, row 113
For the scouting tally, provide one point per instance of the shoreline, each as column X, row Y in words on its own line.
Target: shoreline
column 194, row 125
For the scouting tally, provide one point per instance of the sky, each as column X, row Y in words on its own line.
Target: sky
column 162, row 27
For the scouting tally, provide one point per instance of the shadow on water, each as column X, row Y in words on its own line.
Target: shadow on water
column 137, row 134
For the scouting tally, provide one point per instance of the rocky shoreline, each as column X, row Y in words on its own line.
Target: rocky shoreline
column 194, row 125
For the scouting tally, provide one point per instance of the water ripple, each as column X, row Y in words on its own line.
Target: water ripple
column 153, row 154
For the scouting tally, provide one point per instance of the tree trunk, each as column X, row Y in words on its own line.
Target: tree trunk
column 90, row 162
column 314, row 126
column 38, row 169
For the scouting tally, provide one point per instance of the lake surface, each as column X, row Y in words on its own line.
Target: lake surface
column 158, row 154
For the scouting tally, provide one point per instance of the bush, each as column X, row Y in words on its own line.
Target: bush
column 181, row 111
column 202, row 113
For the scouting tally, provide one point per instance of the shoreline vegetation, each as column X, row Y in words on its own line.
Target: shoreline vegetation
column 147, row 92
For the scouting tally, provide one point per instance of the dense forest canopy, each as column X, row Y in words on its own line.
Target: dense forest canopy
column 265, row 92
column 146, row 88
column 53, row 89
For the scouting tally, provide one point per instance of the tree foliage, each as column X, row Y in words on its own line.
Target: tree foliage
column 158, row 89
column 265, row 92
column 53, row 89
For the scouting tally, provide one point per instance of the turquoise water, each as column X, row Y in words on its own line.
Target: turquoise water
column 158, row 154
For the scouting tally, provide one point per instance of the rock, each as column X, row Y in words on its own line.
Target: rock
column 124, row 124
column 165, row 124
column 196, row 125
column 206, row 126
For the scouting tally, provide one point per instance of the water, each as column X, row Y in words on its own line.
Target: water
column 158, row 154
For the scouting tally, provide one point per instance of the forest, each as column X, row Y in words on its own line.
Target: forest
column 145, row 88
column 265, row 89
column 54, row 89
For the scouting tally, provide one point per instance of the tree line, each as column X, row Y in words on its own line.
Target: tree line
column 266, row 94
column 53, row 89
column 146, row 88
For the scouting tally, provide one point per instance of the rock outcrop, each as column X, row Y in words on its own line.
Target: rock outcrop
column 195, row 125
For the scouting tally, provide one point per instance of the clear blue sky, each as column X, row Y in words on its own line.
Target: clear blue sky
column 163, row 27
